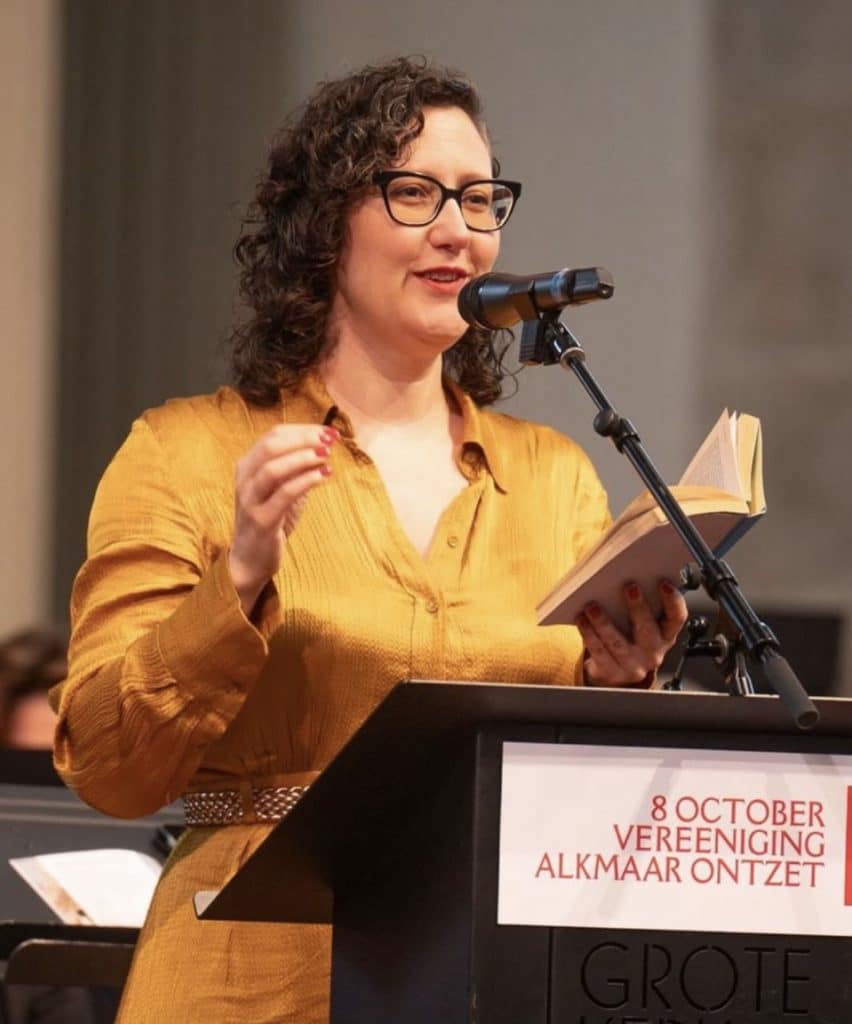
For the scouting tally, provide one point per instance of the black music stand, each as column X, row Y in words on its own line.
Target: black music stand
column 77, row 955
column 41, row 816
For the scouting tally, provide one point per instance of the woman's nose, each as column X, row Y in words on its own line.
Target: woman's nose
column 449, row 228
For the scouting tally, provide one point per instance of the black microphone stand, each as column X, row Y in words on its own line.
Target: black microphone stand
column 546, row 341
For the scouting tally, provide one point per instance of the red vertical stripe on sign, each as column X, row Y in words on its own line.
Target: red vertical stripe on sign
column 848, row 894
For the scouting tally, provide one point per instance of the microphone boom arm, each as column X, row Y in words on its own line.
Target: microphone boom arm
column 547, row 341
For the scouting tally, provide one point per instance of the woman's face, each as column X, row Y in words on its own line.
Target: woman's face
column 388, row 286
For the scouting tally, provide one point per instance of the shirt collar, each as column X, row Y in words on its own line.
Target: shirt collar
column 310, row 402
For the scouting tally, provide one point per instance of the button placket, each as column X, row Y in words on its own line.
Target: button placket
column 428, row 637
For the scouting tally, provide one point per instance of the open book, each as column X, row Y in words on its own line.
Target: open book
column 721, row 492
column 105, row 887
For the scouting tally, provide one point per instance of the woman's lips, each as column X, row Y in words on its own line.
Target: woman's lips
column 443, row 281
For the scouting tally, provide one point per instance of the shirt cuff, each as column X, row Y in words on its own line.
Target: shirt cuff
column 209, row 646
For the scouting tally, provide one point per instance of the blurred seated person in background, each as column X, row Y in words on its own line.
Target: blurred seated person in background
column 31, row 661
column 266, row 563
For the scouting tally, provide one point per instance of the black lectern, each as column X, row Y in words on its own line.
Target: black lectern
column 397, row 844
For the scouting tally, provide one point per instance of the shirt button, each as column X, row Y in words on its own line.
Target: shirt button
column 453, row 541
column 432, row 607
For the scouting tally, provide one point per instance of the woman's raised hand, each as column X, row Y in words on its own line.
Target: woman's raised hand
column 272, row 483
column 613, row 659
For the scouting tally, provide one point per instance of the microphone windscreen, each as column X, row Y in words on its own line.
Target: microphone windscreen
column 468, row 303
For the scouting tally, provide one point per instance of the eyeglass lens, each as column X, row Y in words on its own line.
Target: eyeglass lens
column 484, row 205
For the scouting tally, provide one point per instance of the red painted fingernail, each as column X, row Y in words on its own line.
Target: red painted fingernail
column 329, row 435
column 666, row 587
column 593, row 610
column 633, row 591
column 323, row 451
column 325, row 470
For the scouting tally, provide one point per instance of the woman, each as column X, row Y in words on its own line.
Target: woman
column 232, row 629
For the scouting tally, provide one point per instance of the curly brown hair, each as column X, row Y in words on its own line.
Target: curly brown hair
column 321, row 162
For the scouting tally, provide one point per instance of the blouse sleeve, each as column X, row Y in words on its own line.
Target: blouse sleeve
column 162, row 656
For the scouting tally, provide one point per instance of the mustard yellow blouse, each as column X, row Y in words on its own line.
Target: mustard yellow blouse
column 171, row 689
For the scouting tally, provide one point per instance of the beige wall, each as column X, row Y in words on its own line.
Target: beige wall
column 779, row 312
column 29, row 77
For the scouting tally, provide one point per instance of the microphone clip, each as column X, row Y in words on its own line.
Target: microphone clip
column 545, row 341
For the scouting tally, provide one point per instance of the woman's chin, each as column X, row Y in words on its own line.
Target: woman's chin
column 444, row 333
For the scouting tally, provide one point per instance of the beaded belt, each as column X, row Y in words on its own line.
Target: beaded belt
column 228, row 806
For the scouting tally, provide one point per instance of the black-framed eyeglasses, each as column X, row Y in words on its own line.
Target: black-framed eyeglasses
column 416, row 199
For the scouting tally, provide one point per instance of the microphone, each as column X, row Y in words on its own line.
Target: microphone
column 500, row 300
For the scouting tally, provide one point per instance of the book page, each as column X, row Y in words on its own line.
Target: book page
column 715, row 462
column 104, row 887
column 750, row 459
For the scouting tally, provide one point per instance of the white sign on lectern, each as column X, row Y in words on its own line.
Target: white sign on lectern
column 681, row 839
